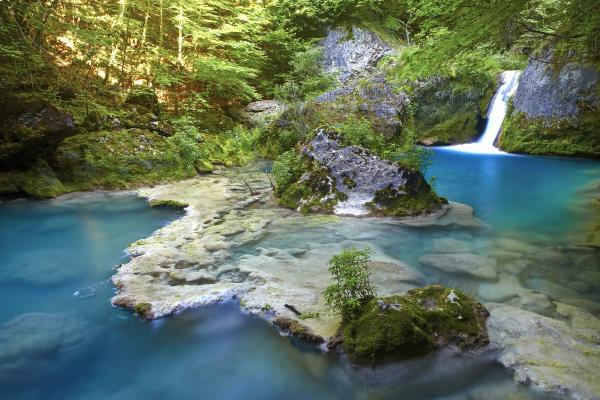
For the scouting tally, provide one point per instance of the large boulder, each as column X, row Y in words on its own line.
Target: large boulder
column 374, row 99
column 399, row 327
column 555, row 110
column 352, row 53
column 328, row 177
column 32, row 133
column 259, row 114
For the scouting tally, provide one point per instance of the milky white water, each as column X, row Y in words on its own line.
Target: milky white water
column 497, row 112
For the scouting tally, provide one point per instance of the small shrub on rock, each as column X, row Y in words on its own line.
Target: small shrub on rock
column 351, row 287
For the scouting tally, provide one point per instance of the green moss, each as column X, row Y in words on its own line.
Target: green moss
column 451, row 111
column 388, row 202
column 38, row 181
column 167, row 203
column 143, row 309
column 579, row 137
column 400, row 327
column 314, row 192
column 349, row 182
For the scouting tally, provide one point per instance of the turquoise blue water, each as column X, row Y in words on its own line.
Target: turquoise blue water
column 58, row 257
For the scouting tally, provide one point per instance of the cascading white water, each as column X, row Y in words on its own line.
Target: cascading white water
column 496, row 114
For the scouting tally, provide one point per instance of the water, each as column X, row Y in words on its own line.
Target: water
column 496, row 114
column 58, row 257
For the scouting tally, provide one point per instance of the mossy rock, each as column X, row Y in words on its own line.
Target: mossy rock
column 405, row 326
column 297, row 330
column 39, row 181
column 143, row 309
column 154, row 203
column 451, row 110
column 390, row 203
column 143, row 96
column 567, row 137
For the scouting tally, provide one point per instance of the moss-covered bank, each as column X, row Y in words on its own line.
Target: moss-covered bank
column 566, row 137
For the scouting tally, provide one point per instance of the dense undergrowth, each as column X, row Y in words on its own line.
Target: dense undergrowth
column 149, row 84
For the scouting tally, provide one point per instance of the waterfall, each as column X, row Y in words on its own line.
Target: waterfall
column 496, row 114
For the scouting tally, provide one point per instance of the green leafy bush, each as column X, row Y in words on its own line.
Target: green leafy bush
column 287, row 169
column 351, row 287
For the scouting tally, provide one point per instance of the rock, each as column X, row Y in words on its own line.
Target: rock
column 515, row 267
column 579, row 286
column 544, row 93
column 558, row 357
column 462, row 263
column 143, row 96
column 34, row 133
column 452, row 215
column 536, row 302
column 505, row 289
column 162, row 128
column 399, row 327
column 297, row 330
column 557, row 99
column 381, row 102
column 584, row 304
column 587, row 261
column 591, row 277
column 260, row 113
column 550, row 288
column 514, row 246
column 448, row 245
column 350, row 54
column 31, row 345
column 551, row 258
column 351, row 181
column 450, row 110
column 394, row 277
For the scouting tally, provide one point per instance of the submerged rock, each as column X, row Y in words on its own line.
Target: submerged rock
column 352, row 181
column 462, row 263
column 399, row 327
column 32, row 344
column 555, row 356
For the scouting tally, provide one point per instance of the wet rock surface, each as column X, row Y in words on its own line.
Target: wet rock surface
column 555, row 356
column 208, row 256
column 462, row 263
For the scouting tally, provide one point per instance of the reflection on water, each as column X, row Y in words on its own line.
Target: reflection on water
column 58, row 257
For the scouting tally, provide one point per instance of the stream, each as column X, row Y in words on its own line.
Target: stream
column 59, row 255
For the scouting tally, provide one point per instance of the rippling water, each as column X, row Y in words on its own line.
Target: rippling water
column 58, row 256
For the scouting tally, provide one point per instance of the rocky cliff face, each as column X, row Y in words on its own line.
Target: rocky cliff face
column 555, row 110
column 446, row 111
column 351, row 54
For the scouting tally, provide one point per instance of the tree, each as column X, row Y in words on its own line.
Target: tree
column 351, row 287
